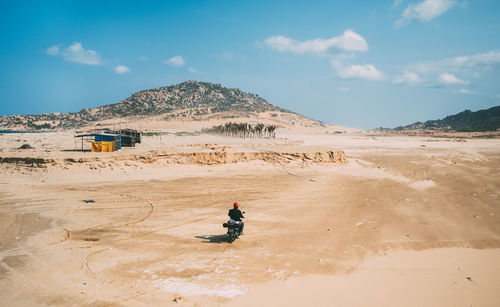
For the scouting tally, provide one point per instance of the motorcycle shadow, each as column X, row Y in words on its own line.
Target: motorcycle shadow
column 213, row 238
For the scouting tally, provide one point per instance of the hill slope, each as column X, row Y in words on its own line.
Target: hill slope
column 190, row 100
column 466, row 121
column 204, row 97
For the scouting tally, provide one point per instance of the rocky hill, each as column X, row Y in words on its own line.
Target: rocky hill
column 187, row 100
column 466, row 121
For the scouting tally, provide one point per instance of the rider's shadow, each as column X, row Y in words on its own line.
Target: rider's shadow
column 213, row 238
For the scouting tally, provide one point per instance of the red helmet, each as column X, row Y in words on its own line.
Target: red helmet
column 236, row 205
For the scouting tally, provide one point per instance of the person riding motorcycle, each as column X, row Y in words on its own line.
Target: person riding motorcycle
column 235, row 217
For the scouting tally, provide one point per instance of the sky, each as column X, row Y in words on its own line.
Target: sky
column 361, row 64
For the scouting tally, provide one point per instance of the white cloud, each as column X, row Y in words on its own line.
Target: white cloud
column 338, row 61
column 467, row 66
column 479, row 59
column 226, row 56
column 368, row 72
column 121, row 69
column 408, row 77
column 465, row 91
column 470, row 65
column 348, row 41
column 451, row 79
column 143, row 58
column 76, row 53
column 54, row 50
column 425, row 11
column 476, row 61
column 175, row 61
column 192, row 70
column 397, row 2
column 344, row 89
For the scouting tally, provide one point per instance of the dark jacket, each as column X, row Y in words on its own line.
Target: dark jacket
column 235, row 214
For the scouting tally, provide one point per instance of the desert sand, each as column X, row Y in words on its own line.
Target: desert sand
column 396, row 221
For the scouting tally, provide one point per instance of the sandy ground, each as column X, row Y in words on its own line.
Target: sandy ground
column 409, row 221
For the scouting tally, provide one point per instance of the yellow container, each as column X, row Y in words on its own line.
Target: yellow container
column 103, row 146
column 108, row 146
column 96, row 146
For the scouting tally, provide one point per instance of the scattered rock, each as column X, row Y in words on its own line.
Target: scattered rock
column 91, row 239
column 469, row 278
column 26, row 146
column 178, row 299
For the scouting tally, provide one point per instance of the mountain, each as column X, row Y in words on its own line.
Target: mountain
column 466, row 121
column 190, row 100
column 203, row 96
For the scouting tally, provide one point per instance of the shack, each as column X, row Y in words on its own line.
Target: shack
column 129, row 137
column 101, row 142
column 110, row 140
column 108, row 137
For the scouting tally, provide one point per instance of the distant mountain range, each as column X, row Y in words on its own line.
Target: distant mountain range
column 466, row 121
column 190, row 100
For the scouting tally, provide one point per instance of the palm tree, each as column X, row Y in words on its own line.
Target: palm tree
column 242, row 130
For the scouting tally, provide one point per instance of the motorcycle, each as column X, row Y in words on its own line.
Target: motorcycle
column 233, row 230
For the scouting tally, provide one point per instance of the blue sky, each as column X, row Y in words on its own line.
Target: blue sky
column 362, row 64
